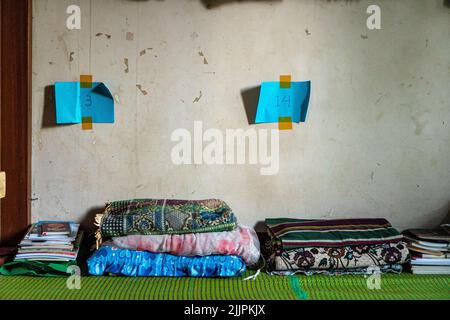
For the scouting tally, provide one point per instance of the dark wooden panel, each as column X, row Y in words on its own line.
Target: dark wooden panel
column 15, row 117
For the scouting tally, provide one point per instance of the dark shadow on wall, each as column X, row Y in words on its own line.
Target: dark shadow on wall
column 87, row 223
column 88, row 244
column 446, row 219
column 211, row 4
column 438, row 216
column 49, row 112
column 447, row 3
column 250, row 98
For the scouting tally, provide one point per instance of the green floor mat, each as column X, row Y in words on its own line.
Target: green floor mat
column 405, row 286
column 265, row 287
column 126, row 288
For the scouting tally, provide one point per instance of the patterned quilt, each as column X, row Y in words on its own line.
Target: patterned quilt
column 334, row 246
column 343, row 258
column 151, row 216
column 242, row 242
column 295, row 233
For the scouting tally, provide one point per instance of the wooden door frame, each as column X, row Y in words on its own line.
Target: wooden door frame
column 15, row 117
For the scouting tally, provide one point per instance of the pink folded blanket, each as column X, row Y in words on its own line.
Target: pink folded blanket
column 242, row 242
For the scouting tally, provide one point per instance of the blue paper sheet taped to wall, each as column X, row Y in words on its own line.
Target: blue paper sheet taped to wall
column 275, row 102
column 74, row 102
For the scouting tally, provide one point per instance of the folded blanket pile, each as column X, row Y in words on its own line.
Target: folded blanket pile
column 342, row 246
column 150, row 237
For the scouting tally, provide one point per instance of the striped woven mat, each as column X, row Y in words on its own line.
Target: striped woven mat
column 265, row 287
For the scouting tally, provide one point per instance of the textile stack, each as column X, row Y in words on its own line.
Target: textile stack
column 150, row 237
column 345, row 246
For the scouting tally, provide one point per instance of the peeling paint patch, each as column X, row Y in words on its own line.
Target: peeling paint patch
column 201, row 54
column 116, row 98
column 363, row 36
column 125, row 61
column 307, row 32
column 144, row 92
column 198, row 98
column 143, row 52
column 108, row 36
column 130, row 36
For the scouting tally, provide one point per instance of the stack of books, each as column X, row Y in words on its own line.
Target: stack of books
column 50, row 241
column 430, row 250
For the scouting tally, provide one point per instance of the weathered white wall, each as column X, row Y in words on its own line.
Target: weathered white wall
column 377, row 139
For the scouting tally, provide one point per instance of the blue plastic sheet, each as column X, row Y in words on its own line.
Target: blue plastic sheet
column 134, row 263
column 275, row 102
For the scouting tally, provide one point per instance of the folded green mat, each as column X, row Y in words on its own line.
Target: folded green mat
column 36, row 268
column 318, row 287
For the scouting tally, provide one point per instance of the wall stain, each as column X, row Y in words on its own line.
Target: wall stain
column 144, row 92
column 307, row 32
column 201, row 54
column 433, row 162
column 125, row 61
column 130, row 36
column 194, row 35
column 144, row 51
column 63, row 43
column 363, row 36
column 71, row 56
column 420, row 125
column 108, row 36
column 198, row 98
column 379, row 116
